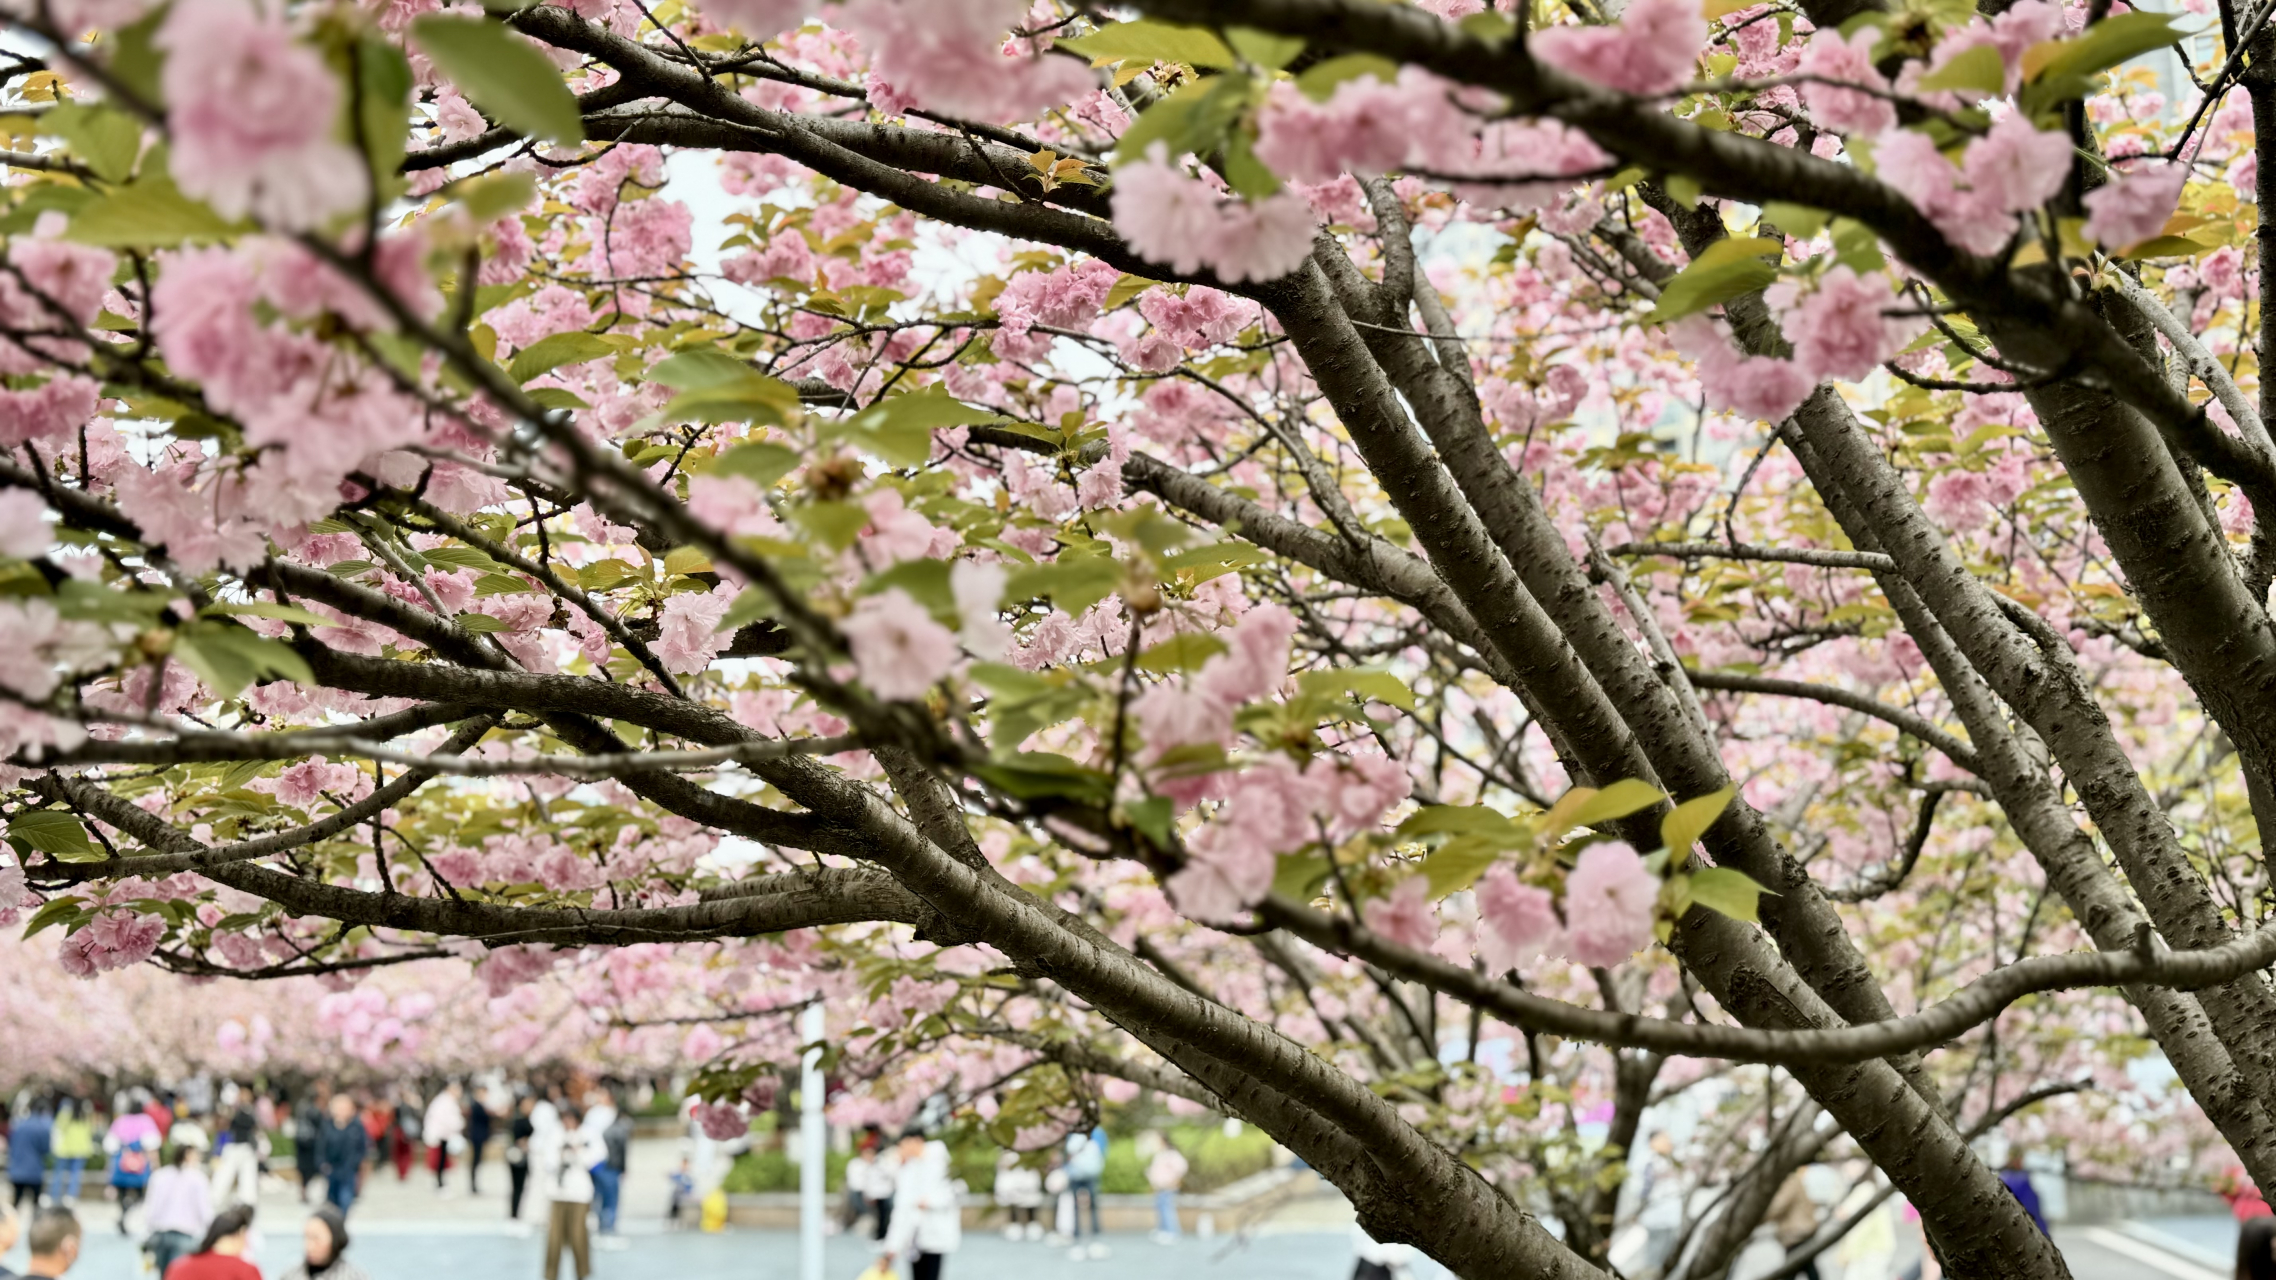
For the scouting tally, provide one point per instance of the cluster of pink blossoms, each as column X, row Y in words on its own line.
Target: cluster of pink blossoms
column 251, row 113
column 1182, row 221
column 951, row 56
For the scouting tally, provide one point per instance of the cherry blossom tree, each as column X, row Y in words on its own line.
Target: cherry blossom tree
column 1248, row 550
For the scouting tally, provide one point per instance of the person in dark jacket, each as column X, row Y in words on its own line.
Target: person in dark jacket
column 28, row 1142
column 340, row 1150
column 2018, row 1181
column 307, row 1132
column 518, row 1135
column 478, row 1125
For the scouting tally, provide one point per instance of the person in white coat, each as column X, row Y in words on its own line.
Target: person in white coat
column 561, row 1161
column 444, row 1131
column 928, row 1219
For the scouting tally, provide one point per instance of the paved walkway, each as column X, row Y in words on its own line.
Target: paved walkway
column 404, row 1231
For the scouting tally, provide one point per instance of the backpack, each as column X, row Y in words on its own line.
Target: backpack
column 133, row 1161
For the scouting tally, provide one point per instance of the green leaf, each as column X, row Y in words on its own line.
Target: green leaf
column 63, row 911
column 136, row 61
column 1299, row 875
column 1155, row 818
column 2063, row 70
column 1213, row 560
column 1467, row 819
column 1074, row 583
column 926, row 581
column 1180, row 653
column 1980, row 70
column 1797, row 220
column 228, row 657
column 104, row 138
column 384, row 107
column 55, row 833
column 83, row 601
column 1683, row 189
column 1458, row 863
column 1319, row 80
column 717, row 387
column 1611, row 804
column 760, row 462
column 1729, row 891
column 558, row 398
column 749, row 607
column 549, row 353
column 481, row 624
column 1037, row 775
column 1681, row 827
column 462, row 558
column 1722, row 271
column 1372, row 686
column 1856, row 247
column 1126, row 288
column 1265, row 49
column 150, row 213
column 1196, row 119
column 2167, row 247
column 1149, row 41
column 494, row 195
column 502, row 74
column 834, row 524
column 900, row 430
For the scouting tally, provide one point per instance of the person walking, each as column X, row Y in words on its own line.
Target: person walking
column 221, row 1254
column 71, row 1146
column 237, row 1165
column 178, row 1208
column 54, row 1242
column 609, row 1174
column 928, row 1221
column 561, row 1163
column 405, row 1120
column 478, row 1126
column 29, row 1141
column 518, row 1134
column 1165, row 1173
column 324, row 1244
column 1795, row 1216
column 1019, row 1189
column 307, row 1132
column 341, row 1145
column 2018, row 1180
column 444, row 1127
column 132, row 1145
column 1086, row 1164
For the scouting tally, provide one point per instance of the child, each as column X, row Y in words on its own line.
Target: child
column 683, row 1193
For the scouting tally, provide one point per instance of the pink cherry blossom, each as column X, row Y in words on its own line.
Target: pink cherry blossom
column 2016, row 166
column 1518, row 922
column 1841, row 331
column 1405, row 915
column 251, row 112
column 1652, row 49
column 2135, row 206
column 1179, row 221
column 949, row 56
column 1255, row 662
column 1610, row 901
column 722, row 1121
column 54, row 410
column 897, row 646
column 1850, row 61
column 760, row 19
column 688, row 635
column 457, row 117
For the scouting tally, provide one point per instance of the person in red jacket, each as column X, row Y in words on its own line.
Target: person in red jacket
column 221, row 1255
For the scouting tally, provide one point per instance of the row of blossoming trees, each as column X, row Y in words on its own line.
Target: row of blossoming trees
column 1252, row 549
